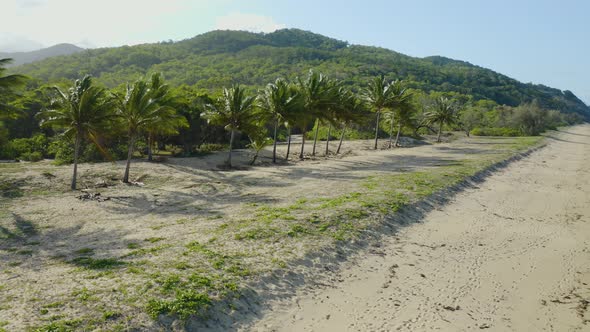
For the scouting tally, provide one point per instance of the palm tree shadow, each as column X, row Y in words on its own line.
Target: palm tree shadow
column 203, row 198
column 33, row 249
column 23, row 229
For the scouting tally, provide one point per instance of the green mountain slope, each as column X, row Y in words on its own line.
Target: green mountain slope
column 219, row 58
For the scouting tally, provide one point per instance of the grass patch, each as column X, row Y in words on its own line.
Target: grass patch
column 339, row 201
column 182, row 221
column 279, row 263
column 82, row 294
column 152, row 251
column 268, row 214
column 257, row 233
column 11, row 189
column 297, row 230
column 201, row 248
column 97, row 264
column 182, row 266
column 54, row 304
column 154, row 239
column 184, row 305
column 110, row 314
column 60, row 325
column 85, row 251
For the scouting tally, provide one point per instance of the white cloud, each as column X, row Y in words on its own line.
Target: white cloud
column 30, row 3
column 103, row 23
column 28, row 24
column 248, row 22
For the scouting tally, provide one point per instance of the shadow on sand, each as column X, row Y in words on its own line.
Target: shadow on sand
column 283, row 284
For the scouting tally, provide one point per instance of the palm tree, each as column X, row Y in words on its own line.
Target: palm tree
column 335, row 110
column 315, row 94
column 258, row 140
column 378, row 97
column 326, row 112
column 84, row 111
column 164, row 127
column 235, row 113
column 351, row 111
column 8, row 85
column 402, row 104
column 278, row 100
column 144, row 106
column 389, row 117
column 292, row 115
column 442, row 111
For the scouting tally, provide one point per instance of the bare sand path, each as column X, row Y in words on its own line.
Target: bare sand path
column 511, row 255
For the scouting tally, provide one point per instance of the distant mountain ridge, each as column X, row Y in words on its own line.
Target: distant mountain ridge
column 221, row 58
column 20, row 58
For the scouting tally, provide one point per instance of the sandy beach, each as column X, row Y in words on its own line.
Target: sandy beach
column 512, row 254
column 307, row 245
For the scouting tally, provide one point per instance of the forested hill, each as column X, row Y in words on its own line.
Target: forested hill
column 220, row 58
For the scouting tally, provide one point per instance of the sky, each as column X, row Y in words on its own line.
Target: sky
column 543, row 42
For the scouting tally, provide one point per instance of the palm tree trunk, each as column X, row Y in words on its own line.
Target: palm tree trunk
column 391, row 132
column 399, row 130
column 302, row 146
column 328, row 139
column 377, row 129
column 274, row 145
column 130, row 149
column 315, row 136
column 231, row 145
column 288, row 143
column 341, row 138
column 439, row 132
column 149, row 147
column 76, row 153
column 254, row 157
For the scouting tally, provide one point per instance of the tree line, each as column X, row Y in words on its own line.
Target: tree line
column 145, row 111
column 219, row 58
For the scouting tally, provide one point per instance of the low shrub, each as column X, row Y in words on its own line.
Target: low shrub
column 506, row 132
column 211, row 147
column 29, row 149
column 350, row 133
column 31, row 156
column 62, row 149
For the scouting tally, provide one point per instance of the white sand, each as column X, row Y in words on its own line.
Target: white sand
column 511, row 255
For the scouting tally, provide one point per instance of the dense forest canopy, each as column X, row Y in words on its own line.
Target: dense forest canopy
column 221, row 58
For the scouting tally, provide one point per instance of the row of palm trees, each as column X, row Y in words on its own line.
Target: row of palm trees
column 85, row 111
column 318, row 100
